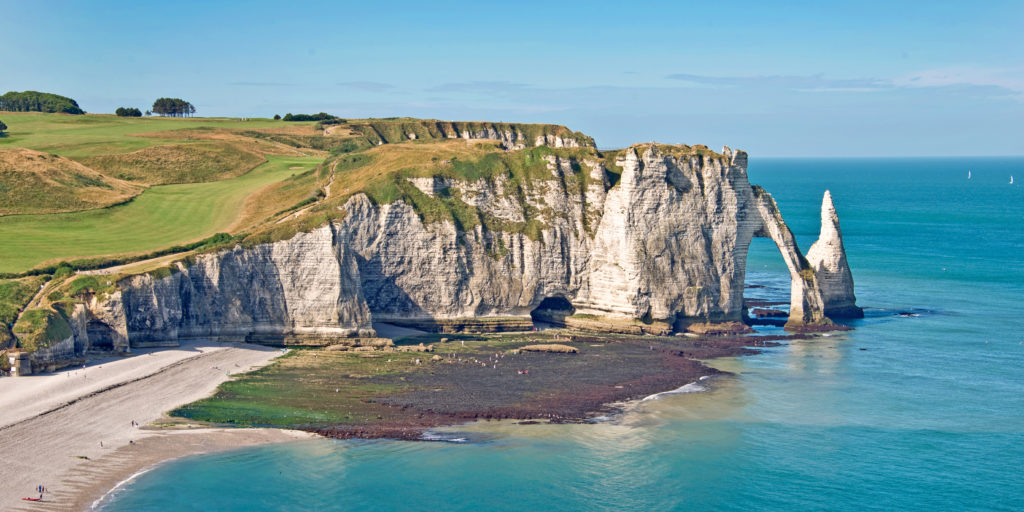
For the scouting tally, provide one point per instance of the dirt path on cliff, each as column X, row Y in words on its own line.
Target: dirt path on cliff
column 55, row 442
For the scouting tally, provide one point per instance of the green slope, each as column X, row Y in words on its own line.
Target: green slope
column 162, row 216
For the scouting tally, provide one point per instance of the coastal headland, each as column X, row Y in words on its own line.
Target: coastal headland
column 406, row 273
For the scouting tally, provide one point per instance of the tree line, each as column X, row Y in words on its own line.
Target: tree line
column 174, row 107
column 322, row 116
column 35, row 101
column 128, row 112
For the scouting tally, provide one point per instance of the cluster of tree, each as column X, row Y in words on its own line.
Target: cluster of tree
column 174, row 107
column 322, row 116
column 2, row 128
column 128, row 112
column 34, row 101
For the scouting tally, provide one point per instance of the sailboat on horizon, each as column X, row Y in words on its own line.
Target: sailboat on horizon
column 1011, row 179
column 968, row 174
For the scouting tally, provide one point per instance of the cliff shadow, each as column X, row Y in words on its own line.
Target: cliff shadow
column 552, row 312
column 101, row 335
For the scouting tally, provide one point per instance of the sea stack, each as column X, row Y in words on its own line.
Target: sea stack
column 827, row 257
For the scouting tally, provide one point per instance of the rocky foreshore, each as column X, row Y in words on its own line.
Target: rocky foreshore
column 395, row 394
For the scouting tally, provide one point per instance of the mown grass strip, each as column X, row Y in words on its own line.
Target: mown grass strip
column 160, row 217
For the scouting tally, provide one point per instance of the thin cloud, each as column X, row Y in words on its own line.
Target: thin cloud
column 261, row 84
column 489, row 87
column 982, row 81
column 1000, row 81
column 364, row 85
column 810, row 83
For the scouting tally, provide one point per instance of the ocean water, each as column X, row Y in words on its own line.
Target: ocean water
column 920, row 412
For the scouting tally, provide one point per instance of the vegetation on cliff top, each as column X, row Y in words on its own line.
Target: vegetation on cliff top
column 14, row 296
column 39, row 328
column 154, row 190
column 209, row 160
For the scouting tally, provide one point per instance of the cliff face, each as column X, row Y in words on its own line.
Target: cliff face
column 663, row 247
column 306, row 286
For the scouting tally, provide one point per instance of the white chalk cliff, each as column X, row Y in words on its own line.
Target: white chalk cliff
column 666, row 245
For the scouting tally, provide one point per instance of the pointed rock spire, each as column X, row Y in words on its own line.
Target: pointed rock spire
column 828, row 259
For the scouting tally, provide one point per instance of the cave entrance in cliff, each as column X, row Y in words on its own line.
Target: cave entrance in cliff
column 766, row 286
column 101, row 336
column 551, row 312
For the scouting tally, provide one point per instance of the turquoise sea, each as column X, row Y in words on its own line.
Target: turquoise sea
column 920, row 412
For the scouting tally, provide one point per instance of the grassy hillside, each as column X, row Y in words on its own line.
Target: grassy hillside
column 163, row 216
column 178, row 163
column 14, row 295
column 36, row 182
column 200, row 176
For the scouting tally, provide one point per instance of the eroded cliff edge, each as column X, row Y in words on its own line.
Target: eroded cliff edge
column 653, row 238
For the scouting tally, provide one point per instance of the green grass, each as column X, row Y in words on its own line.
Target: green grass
column 178, row 163
column 38, row 328
column 90, row 135
column 14, row 295
column 162, row 216
column 298, row 390
column 310, row 388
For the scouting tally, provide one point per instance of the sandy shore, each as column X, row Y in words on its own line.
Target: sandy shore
column 52, row 425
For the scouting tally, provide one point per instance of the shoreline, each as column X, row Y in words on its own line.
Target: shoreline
column 86, row 476
column 127, row 463
column 63, row 428
column 154, row 452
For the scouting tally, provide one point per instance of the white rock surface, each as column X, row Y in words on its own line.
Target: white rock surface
column 828, row 258
column 668, row 242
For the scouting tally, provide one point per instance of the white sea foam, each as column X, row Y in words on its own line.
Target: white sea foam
column 442, row 437
column 122, row 483
column 693, row 387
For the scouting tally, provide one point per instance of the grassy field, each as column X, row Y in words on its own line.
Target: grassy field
column 160, row 217
column 91, row 135
column 199, row 181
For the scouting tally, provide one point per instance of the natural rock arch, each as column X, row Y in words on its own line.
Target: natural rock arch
column 821, row 284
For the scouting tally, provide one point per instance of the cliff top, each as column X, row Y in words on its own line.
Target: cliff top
column 101, row 191
column 96, row 161
column 677, row 150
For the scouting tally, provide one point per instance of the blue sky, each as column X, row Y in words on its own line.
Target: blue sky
column 863, row 78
